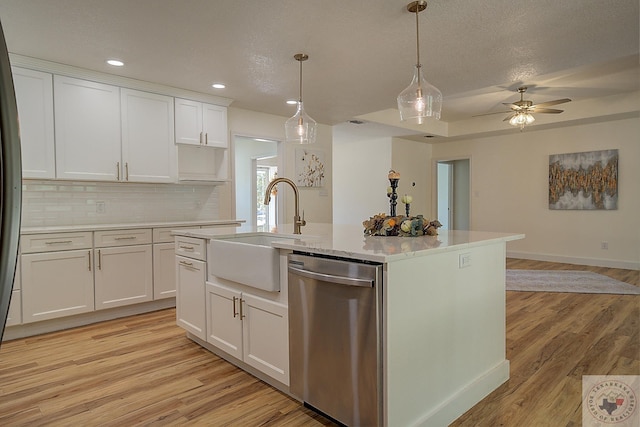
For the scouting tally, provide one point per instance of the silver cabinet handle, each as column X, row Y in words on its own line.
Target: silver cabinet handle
column 186, row 248
column 99, row 260
column 126, row 168
column 206, row 138
column 188, row 264
column 200, row 138
column 59, row 242
column 118, row 170
column 235, row 313
column 242, row 316
column 89, row 258
column 125, row 238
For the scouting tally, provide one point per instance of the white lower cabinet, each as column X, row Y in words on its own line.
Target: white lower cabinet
column 14, row 316
column 164, row 270
column 191, row 275
column 250, row 328
column 124, row 275
column 56, row 284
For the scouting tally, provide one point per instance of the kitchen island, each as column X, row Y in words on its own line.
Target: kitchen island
column 443, row 312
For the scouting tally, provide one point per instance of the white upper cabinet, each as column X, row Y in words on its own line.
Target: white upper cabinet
column 202, row 124
column 87, row 130
column 34, row 96
column 148, row 151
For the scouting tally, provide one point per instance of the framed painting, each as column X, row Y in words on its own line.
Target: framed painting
column 584, row 181
column 309, row 167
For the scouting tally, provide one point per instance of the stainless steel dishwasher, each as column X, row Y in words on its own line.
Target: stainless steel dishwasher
column 335, row 336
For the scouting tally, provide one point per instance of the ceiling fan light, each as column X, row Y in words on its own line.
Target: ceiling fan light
column 420, row 99
column 522, row 119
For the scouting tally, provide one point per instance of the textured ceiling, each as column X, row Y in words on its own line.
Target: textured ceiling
column 361, row 51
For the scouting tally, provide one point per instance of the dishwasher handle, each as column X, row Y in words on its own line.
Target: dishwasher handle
column 332, row 278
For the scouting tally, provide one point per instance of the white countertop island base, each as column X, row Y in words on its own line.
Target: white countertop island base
column 444, row 338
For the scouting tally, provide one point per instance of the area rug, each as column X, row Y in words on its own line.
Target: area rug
column 566, row 281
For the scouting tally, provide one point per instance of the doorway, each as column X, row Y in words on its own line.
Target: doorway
column 256, row 163
column 453, row 179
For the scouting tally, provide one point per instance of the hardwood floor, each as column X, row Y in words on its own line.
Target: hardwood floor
column 142, row 370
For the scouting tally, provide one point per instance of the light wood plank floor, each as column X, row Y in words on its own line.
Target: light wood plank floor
column 142, row 370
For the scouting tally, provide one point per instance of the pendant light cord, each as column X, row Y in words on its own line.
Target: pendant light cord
column 417, row 39
column 300, row 100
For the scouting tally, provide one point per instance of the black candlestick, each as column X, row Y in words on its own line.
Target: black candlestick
column 406, row 208
column 393, row 196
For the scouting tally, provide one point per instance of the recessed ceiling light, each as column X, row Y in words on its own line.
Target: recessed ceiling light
column 292, row 101
column 115, row 62
column 218, row 86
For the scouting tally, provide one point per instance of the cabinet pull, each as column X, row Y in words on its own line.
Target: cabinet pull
column 188, row 264
column 126, row 169
column 118, row 170
column 200, row 138
column 125, row 238
column 186, row 248
column 235, row 313
column 89, row 258
column 59, row 242
column 206, row 138
column 99, row 260
column 242, row 316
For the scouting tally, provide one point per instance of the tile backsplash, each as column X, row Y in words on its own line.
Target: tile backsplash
column 60, row 203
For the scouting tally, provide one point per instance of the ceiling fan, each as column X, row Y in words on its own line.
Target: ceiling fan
column 522, row 110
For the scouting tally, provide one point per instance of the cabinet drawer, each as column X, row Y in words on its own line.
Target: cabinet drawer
column 138, row 236
column 163, row 235
column 32, row 243
column 191, row 247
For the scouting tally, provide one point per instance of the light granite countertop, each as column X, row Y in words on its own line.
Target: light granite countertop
column 349, row 241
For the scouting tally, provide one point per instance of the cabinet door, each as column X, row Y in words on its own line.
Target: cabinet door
column 124, row 275
column 214, row 125
column 190, row 295
column 266, row 336
column 148, row 151
column 87, row 129
column 34, row 96
column 164, row 271
column 14, row 316
column 56, row 284
column 188, row 122
column 224, row 322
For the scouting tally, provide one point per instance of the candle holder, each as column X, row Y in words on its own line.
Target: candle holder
column 393, row 197
column 406, row 208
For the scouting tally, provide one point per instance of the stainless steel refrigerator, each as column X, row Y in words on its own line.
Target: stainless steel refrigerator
column 10, row 183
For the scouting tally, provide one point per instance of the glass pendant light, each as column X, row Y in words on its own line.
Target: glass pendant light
column 300, row 128
column 421, row 99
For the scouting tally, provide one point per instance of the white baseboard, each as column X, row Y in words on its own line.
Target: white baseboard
column 46, row 326
column 467, row 397
column 596, row 262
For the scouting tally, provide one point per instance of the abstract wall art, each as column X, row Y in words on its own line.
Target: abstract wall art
column 584, row 181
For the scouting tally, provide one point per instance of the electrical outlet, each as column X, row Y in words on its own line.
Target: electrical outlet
column 604, row 245
column 101, row 207
column 464, row 260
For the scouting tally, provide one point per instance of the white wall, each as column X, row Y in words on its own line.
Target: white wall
column 316, row 202
column 412, row 160
column 509, row 192
column 360, row 169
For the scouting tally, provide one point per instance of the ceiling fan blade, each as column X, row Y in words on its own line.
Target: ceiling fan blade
column 550, row 103
column 509, row 117
column 495, row 112
column 546, row 110
column 514, row 107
